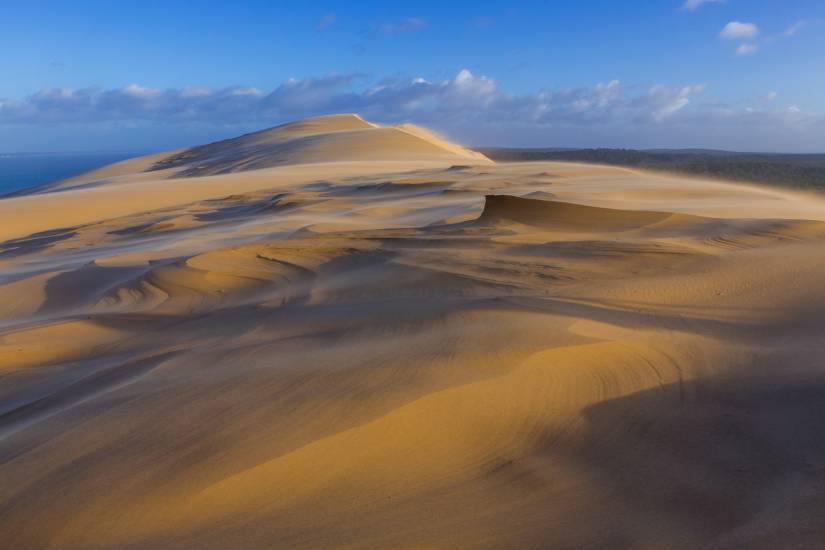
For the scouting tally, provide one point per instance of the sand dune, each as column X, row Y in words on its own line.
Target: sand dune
column 335, row 334
column 325, row 139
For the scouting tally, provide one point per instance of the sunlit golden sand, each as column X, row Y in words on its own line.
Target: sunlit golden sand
column 335, row 334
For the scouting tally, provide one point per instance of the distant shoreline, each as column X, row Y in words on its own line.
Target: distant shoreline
column 21, row 173
column 69, row 153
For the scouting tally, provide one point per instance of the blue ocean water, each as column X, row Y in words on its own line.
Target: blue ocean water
column 22, row 171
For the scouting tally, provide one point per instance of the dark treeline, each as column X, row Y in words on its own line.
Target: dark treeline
column 803, row 171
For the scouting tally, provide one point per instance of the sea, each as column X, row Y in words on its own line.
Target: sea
column 21, row 171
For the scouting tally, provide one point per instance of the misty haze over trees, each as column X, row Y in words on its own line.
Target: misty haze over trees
column 794, row 170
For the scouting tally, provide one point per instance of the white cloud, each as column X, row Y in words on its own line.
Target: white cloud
column 747, row 49
column 140, row 92
column 693, row 5
column 737, row 29
column 466, row 86
column 666, row 102
column 770, row 96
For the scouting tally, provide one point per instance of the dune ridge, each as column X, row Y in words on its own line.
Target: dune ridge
column 333, row 334
column 322, row 139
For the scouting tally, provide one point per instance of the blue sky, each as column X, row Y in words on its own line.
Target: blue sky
column 735, row 74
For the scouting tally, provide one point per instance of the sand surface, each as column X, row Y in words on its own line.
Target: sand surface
column 338, row 335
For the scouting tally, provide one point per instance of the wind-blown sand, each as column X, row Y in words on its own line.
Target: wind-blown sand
column 333, row 334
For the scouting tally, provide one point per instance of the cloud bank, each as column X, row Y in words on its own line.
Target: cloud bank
column 465, row 95
column 473, row 106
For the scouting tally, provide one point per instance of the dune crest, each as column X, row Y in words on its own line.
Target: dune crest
column 337, row 334
column 333, row 138
column 548, row 213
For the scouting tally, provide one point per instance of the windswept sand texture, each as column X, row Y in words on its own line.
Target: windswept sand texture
column 337, row 335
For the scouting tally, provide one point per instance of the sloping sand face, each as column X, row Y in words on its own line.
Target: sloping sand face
column 331, row 344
